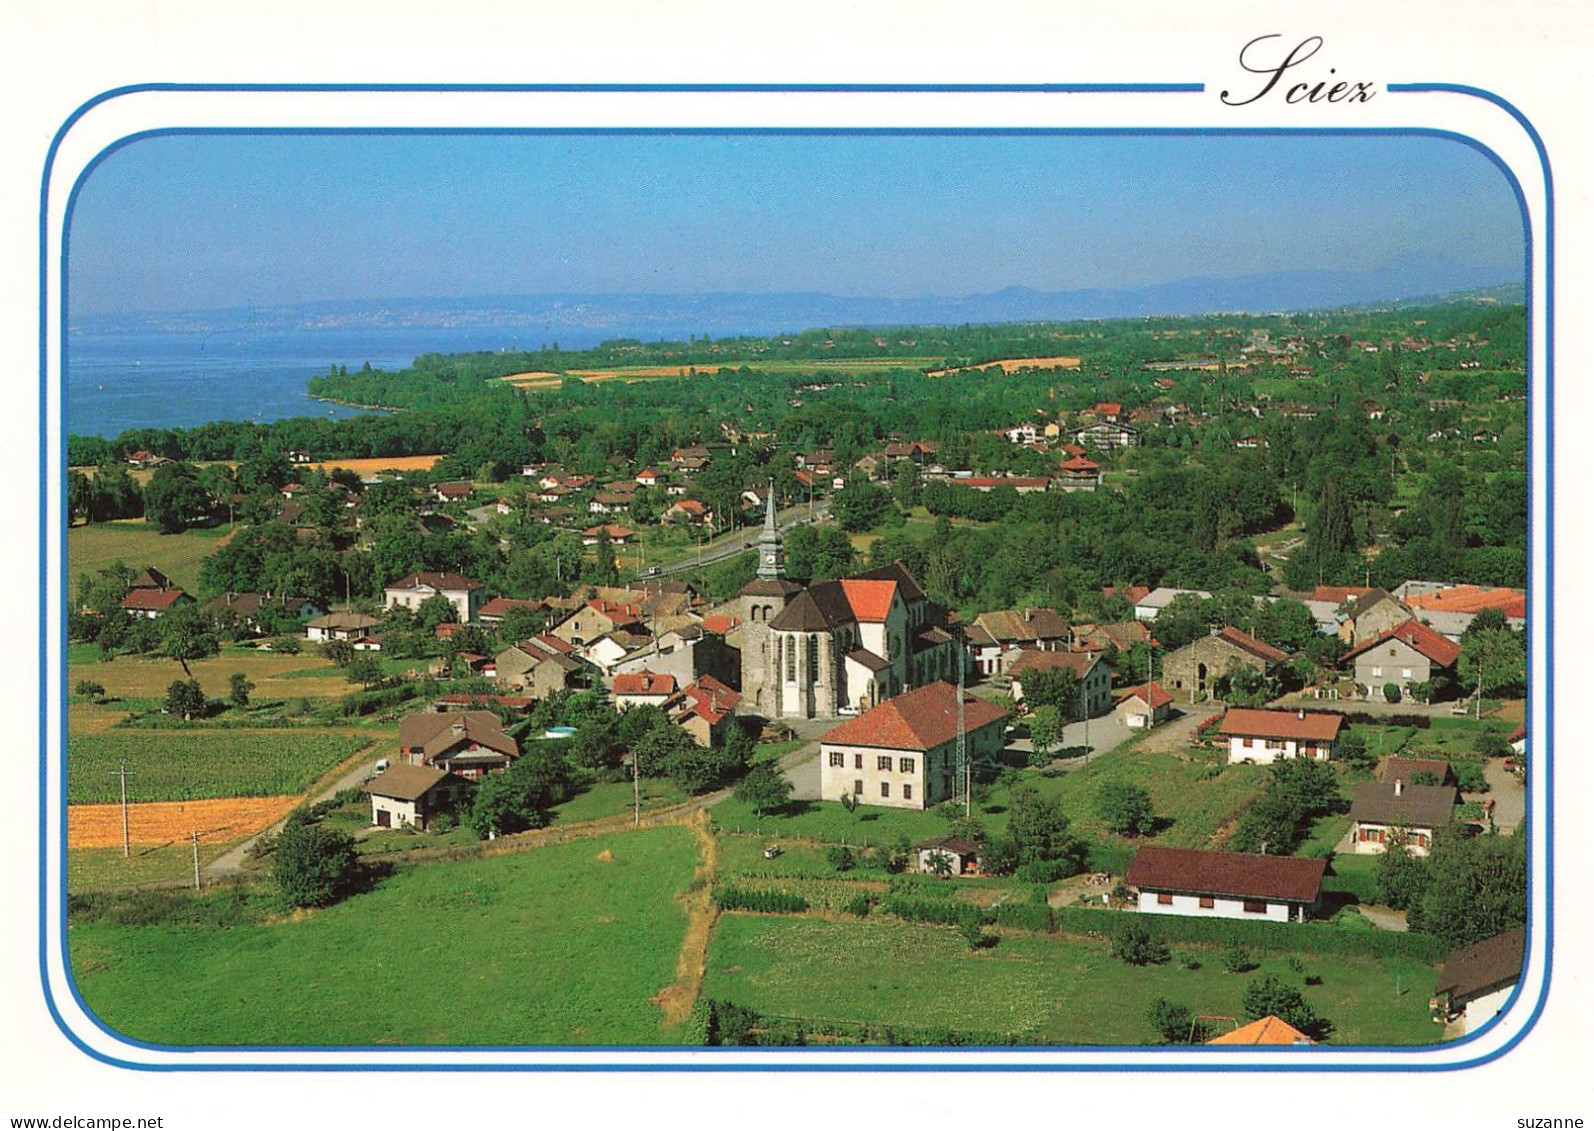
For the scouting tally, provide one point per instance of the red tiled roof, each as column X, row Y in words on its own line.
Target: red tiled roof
column 644, row 683
column 1419, row 636
column 989, row 481
column 433, row 580
column 1080, row 463
column 501, row 606
column 1151, row 694
column 152, row 598
column 870, row 600
column 1112, row 408
column 1311, row 726
column 1077, row 662
column 1339, row 594
column 1471, row 599
column 708, row 698
column 1268, row 1031
column 720, row 623
column 917, row 720
column 1252, row 645
column 1134, row 594
column 1242, row 875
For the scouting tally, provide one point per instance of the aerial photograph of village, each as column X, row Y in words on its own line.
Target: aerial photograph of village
column 796, row 590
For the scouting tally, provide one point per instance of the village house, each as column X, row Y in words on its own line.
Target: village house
column 692, row 511
column 1023, row 484
column 618, row 535
column 1093, row 676
column 1268, row 1030
column 1379, row 808
column 595, row 619
column 1371, row 613
column 406, row 796
column 260, row 611
column 994, row 633
column 705, row 709
column 962, row 856
column 468, row 743
column 1407, row 654
column 1266, row 736
column 541, row 665
column 152, row 604
column 494, row 611
column 902, row 753
column 1417, row 771
column 1226, row 885
column 1104, row 434
column 342, row 624
column 1193, row 672
column 1477, row 981
column 1121, row 635
column 1079, row 474
column 451, row 492
column 1150, row 604
column 1143, row 706
column 642, row 688
column 413, row 589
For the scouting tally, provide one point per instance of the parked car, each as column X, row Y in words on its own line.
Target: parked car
column 772, row 851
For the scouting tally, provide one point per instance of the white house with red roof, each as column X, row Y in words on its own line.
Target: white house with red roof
column 642, row 688
column 1143, row 706
column 902, row 753
column 705, row 709
column 412, row 589
column 1266, row 736
column 1226, row 885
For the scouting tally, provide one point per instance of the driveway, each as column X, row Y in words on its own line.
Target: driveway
column 1508, row 794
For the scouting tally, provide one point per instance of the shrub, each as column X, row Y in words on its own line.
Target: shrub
column 857, row 905
column 1238, row 959
column 1173, row 1021
column 313, row 866
column 1269, row 997
column 840, row 857
column 1041, row 872
column 1025, row 916
column 285, row 645
column 1133, row 942
column 771, row 901
column 1126, row 808
column 1469, row 775
column 1391, row 693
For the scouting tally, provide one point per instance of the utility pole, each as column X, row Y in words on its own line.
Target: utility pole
column 124, row 775
column 196, row 859
column 963, row 738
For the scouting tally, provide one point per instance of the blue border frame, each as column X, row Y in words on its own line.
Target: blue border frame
column 1545, row 763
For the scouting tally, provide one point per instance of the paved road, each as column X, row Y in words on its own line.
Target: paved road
column 729, row 545
column 230, row 863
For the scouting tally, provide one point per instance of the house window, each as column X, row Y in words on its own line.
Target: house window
column 1255, row 907
column 885, row 789
column 1377, row 672
column 883, row 763
column 857, row 761
column 907, row 792
column 1164, row 899
column 837, row 758
column 1405, row 673
column 857, row 787
column 905, row 765
column 1207, row 901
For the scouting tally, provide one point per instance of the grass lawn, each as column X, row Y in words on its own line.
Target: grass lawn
column 560, row 945
column 605, row 799
column 275, row 676
column 1383, row 741
column 95, row 869
column 1454, row 737
column 828, row 821
column 1191, row 807
column 184, row 765
column 1048, row 989
column 136, row 543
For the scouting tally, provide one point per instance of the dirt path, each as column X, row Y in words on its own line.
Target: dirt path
column 1180, row 732
column 677, row 999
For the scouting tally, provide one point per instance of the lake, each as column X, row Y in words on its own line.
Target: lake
column 118, row 381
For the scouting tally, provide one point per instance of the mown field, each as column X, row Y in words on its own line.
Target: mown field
column 560, row 945
column 183, row 765
column 1049, row 989
column 95, row 869
column 138, row 544
column 275, row 676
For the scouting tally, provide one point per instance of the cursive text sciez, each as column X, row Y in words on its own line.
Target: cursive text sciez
column 1254, row 58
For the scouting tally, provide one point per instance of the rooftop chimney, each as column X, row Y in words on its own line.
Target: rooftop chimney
column 1300, row 712
column 1399, row 785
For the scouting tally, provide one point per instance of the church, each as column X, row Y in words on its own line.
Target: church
column 826, row 648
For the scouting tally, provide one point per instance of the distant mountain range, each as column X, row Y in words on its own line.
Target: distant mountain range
column 651, row 316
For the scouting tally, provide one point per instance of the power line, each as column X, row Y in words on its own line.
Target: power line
column 124, row 774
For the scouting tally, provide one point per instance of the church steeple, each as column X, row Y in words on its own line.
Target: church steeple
column 771, row 546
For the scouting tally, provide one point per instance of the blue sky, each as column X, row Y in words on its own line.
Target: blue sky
column 197, row 221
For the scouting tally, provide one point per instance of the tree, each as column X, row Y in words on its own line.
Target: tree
column 90, row 690
column 239, row 686
column 1400, row 877
column 187, row 636
column 313, row 865
column 365, row 669
column 1126, row 808
column 523, row 796
column 1045, row 731
column 1269, row 997
column 340, row 652
column 764, row 788
column 860, row 505
column 1038, row 828
column 435, row 610
column 175, row 498
column 1052, row 687
column 1353, row 750
column 1493, row 660
column 1477, row 887
column 185, row 698
column 1133, row 942
column 1172, row 1020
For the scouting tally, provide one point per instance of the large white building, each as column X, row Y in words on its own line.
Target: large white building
column 903, row 753
column 410, row 591
column 1226, row 885
column 1264, row 737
